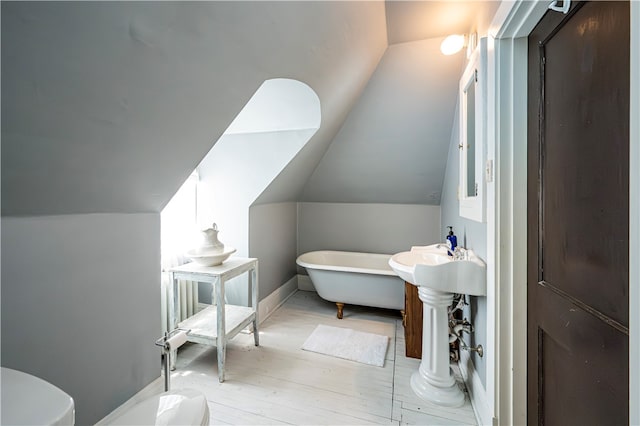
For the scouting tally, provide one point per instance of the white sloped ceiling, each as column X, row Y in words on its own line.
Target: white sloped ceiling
column 393, row 146
column 108, row 106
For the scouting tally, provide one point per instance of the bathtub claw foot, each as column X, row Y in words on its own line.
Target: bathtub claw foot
column 340, row 308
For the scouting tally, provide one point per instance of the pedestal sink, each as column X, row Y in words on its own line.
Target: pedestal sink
column 438, row 276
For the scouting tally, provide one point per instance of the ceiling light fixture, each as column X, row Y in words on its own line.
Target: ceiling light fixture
column 452, row 44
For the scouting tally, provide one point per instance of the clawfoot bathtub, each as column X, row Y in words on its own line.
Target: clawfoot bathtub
column 355, row 278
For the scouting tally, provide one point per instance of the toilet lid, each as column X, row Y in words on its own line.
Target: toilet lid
column 22, row 392
column 178, row 407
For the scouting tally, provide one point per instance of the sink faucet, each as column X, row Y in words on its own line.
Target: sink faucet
column 460, row 254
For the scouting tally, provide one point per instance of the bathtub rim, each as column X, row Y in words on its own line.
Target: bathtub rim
column 305, row 263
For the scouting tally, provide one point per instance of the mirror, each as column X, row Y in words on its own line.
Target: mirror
column 470, row 143
column 472, row 135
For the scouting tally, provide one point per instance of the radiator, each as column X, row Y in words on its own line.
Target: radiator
column 188, row 297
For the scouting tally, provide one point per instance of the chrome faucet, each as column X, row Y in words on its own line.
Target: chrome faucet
column 460, row 254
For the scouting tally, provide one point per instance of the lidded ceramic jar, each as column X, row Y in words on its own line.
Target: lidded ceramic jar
column 210, row 242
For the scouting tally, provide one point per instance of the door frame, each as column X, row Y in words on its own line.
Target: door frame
column 507, row 220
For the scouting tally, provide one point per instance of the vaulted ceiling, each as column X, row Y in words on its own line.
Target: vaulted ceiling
column 108, row 106
column 394, row 145
column 418, row 20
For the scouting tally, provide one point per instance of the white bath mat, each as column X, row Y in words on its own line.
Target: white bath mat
column 345, row 343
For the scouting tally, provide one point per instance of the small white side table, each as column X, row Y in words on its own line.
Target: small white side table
column 217, row 324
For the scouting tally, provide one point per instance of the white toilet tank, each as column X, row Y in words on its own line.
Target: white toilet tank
column 29, row 400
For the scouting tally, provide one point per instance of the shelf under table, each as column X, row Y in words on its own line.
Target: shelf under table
column 204, row 324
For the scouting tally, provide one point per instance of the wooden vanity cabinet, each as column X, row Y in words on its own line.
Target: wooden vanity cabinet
column 412, row 321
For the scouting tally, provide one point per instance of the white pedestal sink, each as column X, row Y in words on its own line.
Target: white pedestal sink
column 438, row 277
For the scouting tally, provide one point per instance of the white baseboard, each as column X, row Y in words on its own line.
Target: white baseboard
column 154, row 388
column 477, row 392
column 304, row 283
column 269, row 304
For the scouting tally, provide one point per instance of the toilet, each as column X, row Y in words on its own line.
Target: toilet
column 176, row 407
column 21, row 390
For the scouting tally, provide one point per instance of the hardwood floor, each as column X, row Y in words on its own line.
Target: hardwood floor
column 279, row 383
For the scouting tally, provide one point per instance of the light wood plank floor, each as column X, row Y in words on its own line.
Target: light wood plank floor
column 279, row 383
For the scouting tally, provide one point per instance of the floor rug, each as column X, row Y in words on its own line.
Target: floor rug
column 345, row 343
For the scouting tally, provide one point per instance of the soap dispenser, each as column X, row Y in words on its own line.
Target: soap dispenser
column 452, row 241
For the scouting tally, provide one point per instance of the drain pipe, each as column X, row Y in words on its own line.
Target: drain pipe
column 457, row 327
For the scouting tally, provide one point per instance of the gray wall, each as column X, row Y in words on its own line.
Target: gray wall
column 272, row 239
column 471, row 235
column 371, row 228
column 81, row 304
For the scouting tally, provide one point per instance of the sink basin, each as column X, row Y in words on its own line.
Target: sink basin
column 430, row 266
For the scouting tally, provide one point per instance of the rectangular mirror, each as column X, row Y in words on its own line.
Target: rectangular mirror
column 472, row 135
column 470, row 142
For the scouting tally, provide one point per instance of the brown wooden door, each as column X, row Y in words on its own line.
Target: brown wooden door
column 578, row 216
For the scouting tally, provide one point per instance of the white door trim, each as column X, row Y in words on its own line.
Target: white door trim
column 506, row 225
column 507, row 222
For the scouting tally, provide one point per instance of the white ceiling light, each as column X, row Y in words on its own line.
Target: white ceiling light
column 452, row 44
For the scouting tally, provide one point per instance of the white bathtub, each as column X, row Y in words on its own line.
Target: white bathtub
column 354, row 278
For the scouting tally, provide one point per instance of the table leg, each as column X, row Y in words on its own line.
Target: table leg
column 220, row 339
column 253, row 278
